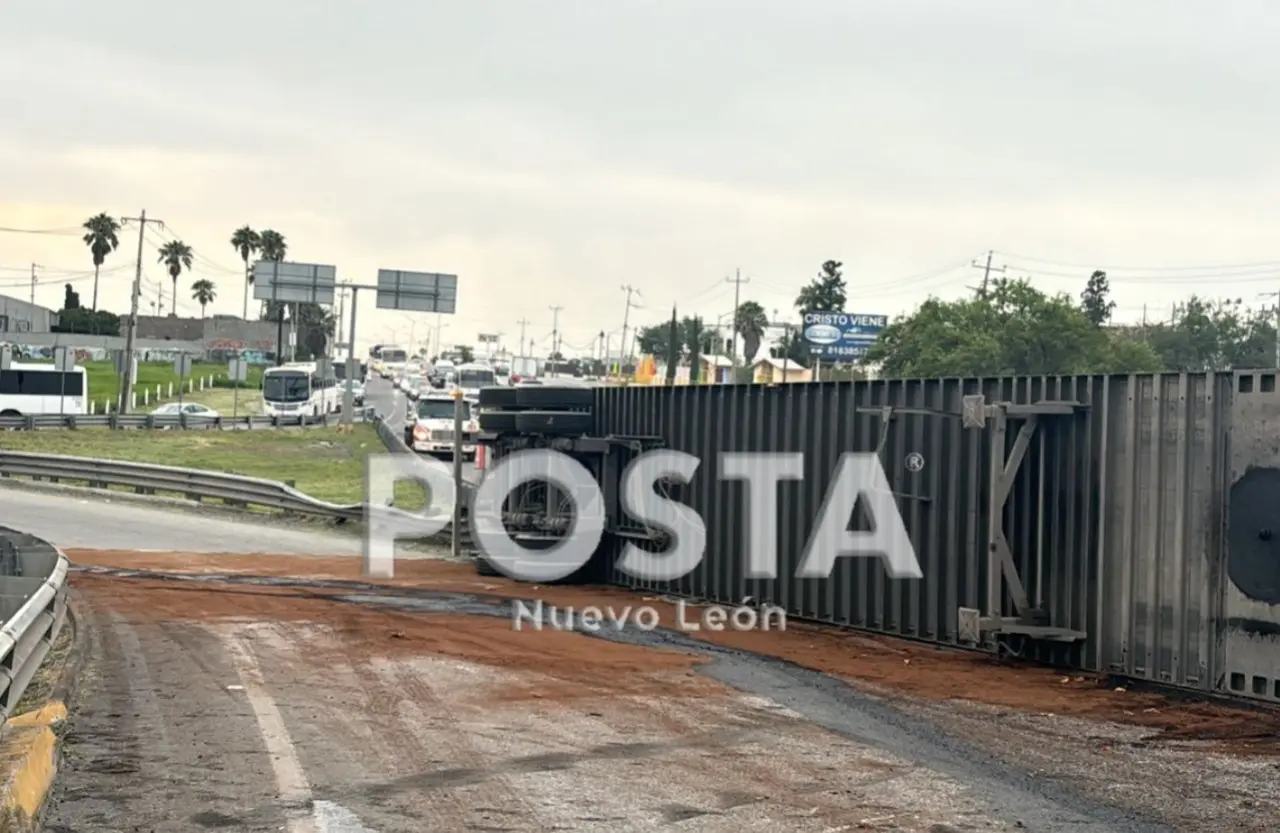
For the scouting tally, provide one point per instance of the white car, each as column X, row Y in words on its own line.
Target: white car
column 430, row 430
column 191, row 409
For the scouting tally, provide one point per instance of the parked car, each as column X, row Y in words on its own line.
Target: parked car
column 191, row 409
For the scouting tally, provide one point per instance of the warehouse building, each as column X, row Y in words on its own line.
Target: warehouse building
column 18, row 316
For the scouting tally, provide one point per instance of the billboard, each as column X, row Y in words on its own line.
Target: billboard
column 417, row 291
column 840, row 336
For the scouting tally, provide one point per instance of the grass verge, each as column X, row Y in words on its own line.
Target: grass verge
column 319, row 462
column 41, row 687
column 225, row 401
column 104, row 382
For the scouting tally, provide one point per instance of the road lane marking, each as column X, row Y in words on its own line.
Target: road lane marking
column 291, row 782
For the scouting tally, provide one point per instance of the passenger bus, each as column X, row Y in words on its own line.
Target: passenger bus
column 42, row 389
column 299, row 391
column 340, row 370
column 473, row 376
column 393, row 360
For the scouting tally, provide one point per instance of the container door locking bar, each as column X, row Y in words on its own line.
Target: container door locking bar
column 1002, row 571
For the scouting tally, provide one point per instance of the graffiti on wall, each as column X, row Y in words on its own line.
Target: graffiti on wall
column 238, row 344
column 40, row 352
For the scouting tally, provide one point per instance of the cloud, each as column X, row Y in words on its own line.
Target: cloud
column 548, row 159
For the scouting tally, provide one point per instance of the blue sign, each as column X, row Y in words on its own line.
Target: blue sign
column 841, row 336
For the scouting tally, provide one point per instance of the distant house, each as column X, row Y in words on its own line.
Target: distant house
column 715, row 370
column 768, row 371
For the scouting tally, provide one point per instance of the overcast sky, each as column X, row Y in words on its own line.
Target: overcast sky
column 550, row 152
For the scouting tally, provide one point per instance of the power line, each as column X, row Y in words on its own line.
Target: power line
column 54, row 231
column 1261, row 264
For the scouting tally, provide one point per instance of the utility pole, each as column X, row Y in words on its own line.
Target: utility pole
column 737, row 280
column 125, row 403
column 986, row 273
column 524, row 324
column 34, row 267
column 555, row 338
column 626, row 320
column 337, row 332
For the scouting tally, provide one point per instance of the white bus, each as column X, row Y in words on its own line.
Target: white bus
column 393, row 359
column 473, row 376
column 42, row 389
column 297, row 391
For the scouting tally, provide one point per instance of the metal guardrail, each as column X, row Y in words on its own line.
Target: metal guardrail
column 395, row 444
column 151, row 422
column 33, row 604
column 191, row 484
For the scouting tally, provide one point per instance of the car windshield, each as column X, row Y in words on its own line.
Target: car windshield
column 475, row 378
column 286, row 387
column 441, row 409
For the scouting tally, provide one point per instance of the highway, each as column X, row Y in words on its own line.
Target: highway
column 389, row 403
column 244, row 678
column 235, row 700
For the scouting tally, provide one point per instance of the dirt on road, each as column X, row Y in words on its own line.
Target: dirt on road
column 876, row 663
column 230, row 705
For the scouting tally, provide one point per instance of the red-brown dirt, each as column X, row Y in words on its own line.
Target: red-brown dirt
column 861, row 659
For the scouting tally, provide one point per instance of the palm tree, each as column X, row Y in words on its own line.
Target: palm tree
column 203, row 293
column 272, row 247
column 247, row 242
column 750, row 322
column 102, row 238
column 176, row 256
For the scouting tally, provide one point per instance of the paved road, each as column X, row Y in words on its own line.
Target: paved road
column 74, row 522
column 249, row 706
column 391, row 405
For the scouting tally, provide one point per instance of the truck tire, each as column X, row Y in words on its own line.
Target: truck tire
column 498, row 398
column 498, row 422
column 554, row 423
column 550, row 397
column 484, row 568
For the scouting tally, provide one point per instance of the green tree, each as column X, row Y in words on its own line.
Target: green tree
column 1213, row 335
column 657, row 341
column 102, row 237
column 791, row 346
column 81, row 320
column 1096, row 301
column 70, row 298
column 696, row 340
column 176, row 256
column 1015, row 330
column 825, row 293
column 690, row 335
column 247, row 243
column 203, row 293
column 272, row 248
column 467, row 354
column 750, row 322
